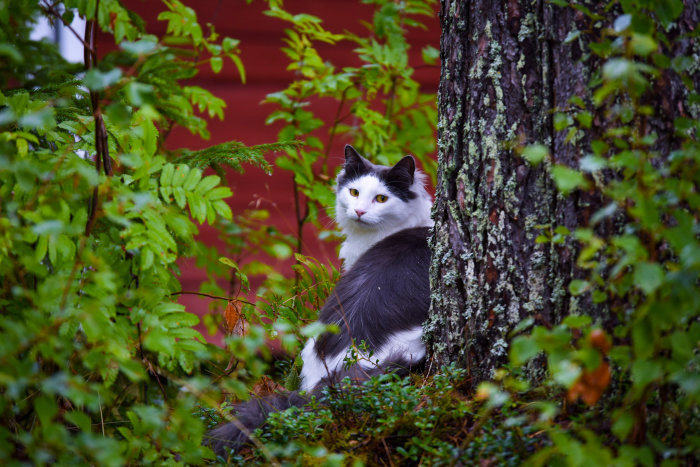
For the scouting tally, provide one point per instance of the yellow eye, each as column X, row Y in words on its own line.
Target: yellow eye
column 381, row 198
column 354, row 192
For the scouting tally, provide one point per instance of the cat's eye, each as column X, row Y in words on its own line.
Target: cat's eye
column 381, row 198
column 354, row 192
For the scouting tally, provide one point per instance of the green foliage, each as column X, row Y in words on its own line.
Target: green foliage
column 380, row 108
column 396, row 420
column 645, row 272
column 99, row 361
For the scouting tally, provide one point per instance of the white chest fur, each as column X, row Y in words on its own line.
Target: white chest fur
column 403, row 346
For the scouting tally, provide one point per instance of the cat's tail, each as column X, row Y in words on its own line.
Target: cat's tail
column 249, row 416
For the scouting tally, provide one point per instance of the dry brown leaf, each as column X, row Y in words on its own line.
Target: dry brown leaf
column 600, row 340
column 234, row 322
column 591, row 385
column 266, row 386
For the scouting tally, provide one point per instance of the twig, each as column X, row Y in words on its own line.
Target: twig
column 51, row 10
column 102, row 158
column 102, row 420
column 216, row 297
column 331, row 133
column 388, row 454
column 473, row 432
column 66, row 290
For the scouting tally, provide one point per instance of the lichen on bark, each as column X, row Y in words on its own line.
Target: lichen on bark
column 504, row 66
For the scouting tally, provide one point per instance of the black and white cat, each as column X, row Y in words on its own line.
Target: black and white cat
column 384, row 213
column 381, row 299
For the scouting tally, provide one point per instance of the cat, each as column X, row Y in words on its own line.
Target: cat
column 373, row 203
column 381, row 299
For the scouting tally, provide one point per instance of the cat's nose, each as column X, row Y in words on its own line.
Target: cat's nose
column 359, row 213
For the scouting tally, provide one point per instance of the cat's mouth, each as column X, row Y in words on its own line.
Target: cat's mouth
column 364, row 222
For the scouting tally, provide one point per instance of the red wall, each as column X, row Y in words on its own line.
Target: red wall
column 245, row 116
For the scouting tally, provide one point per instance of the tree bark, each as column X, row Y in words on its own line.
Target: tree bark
column 505, row 66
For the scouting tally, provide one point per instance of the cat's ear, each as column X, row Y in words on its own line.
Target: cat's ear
column 354, row 162
column 401, row 174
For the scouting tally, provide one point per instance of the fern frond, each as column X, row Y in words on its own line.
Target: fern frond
column 233, row 154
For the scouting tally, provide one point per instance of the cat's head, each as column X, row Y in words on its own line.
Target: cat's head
column 376, row 197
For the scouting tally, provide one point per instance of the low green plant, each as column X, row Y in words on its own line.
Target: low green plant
column 390, row 419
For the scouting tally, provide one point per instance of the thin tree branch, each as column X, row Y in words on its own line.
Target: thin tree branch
column 331, row 135
column 48, row 8
column 216, row 297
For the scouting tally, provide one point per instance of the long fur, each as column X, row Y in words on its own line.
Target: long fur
column 381, row 300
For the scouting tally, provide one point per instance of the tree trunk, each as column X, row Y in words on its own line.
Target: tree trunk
column 505, row 65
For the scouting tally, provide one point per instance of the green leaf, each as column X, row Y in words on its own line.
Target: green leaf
column 431, row 55
column 592, row 163
column 179, row 195
column 522, row 349
column 578, row 286
column 222, row 209
column 141, row 47
column 192, row 179
column 158, row 340
column 562, row 121
column 535, row 153
column 623, row 425
column 46, row 409
column 180, row 174
column 645, row 371
column 9, row 50
column 585, row 118
column 648, row 277
column 41, row 119
column 150, row 137
column 228, row 262
column 180, row 319
column 566, row 372
column 139, row 94
column 281, row 250
column 239, row 66
column 147, row 258
column 166, row 175
column 198, row 207
column 568, row 179
column 643, row 45
column 314, row 329
column 217, row 64
column 229, row 44
column 217, row 193
column 79, row 419
column 668, row 11
column 207, row 184
column 96, row 80
column 622, row 22
column 572, row 36
column 577, row 321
